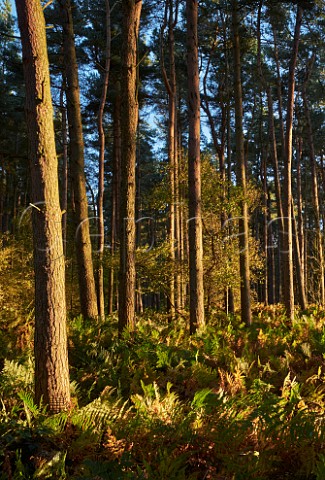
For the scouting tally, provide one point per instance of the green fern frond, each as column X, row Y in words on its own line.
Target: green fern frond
column 15, row 377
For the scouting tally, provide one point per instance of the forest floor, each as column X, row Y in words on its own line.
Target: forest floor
column 228, row 403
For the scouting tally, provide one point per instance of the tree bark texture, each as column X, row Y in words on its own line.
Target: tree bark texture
column 197, row 319
column 101, row 164
column 52, row 386
column 87, row 290
column 241, row 175
column 287, row 190
column 129, row 110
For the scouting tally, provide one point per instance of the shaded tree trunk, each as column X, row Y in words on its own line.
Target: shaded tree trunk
column 64, row 188
column 101, row 166
column 52, row 386
column 241, row 173
column 197, row 319
column 87, row 290
column 312, row 157
column 116, row 186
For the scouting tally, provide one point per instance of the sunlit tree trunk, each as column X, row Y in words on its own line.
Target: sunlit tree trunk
column 87, row 290
column 129, row 109
column 52, row 386
column 312, row 157
column 287, row 190
column 101, row 165
column 197, row 319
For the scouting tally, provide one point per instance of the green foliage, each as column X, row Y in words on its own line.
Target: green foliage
column 230, row 402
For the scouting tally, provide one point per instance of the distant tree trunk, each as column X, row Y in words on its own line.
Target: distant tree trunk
column 116, row 186
column 101, row 166
column 52, row 386
column 279, row 91
column 312, row 157
column 197, row 319
column 300, row 226
column 64, row 191
column 88, row 298
column 287, row 190
column 299, row 272
column 170, row 18
column 241, row 173
column 272, row 138
column 265, row 226
column 129, row 109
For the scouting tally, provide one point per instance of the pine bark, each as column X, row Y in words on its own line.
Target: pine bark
column 315, row 189
column 170, row 85
column 287, row 190
column 52, row 387
column 101, row 167
column 129, row 110
column 115, row 196
column 87, row 290
column 197, row 317
column 241, row 175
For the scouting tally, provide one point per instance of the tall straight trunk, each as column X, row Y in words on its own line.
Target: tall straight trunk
column 265, row 226
column 87, row 290
column 170, row 85
column 279, row 91
column 317, row 215
column 115, row 196
column 241, row 174
column 64, row 191
column 272, row 135
column 52, row 386
column 101, row 165
column 129, row 109
column 299, row 272
column 301, row 233
column 287, row 190
column 197, row 319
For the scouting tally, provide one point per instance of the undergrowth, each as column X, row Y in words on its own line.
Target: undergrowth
column 228, row 403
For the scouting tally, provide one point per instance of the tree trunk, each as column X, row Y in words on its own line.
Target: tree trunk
column 87, row 290
column 300, row 227
column 52, row 385
column 129, row 109
column 287, row 190
column 64, row 191
column 101, row 165
column 312, row 157
column 116, row 187
column 170, row 18
column 241, row 173
column 194, row 172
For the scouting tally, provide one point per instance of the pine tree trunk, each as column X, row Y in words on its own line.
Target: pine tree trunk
column 300, row 226
column 101, row 166
column 87, row 290
column 241, row 173
column 312, row 157
column 170, row 85
column 197, row 319
column 64, row 191
column 287, row 190
column 116, row 187
column 129, row 108
column 52, row 386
